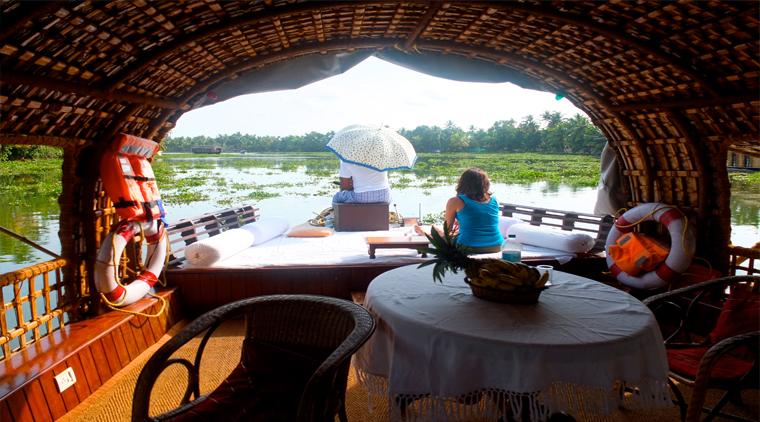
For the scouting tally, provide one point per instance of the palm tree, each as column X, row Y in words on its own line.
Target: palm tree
column 552, row 119
column 460, row 140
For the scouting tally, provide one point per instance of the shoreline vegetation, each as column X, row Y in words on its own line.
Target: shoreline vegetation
column 183, row 179
column 186, row 177
column 552, row 132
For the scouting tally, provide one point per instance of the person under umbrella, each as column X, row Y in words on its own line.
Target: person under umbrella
column 366, row 154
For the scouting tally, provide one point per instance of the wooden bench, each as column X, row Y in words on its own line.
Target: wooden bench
column 95, row 349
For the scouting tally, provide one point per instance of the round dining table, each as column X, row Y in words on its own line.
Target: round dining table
column 440, row 353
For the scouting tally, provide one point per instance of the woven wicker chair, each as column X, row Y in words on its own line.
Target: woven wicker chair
column 294, row 365
column 727, row 358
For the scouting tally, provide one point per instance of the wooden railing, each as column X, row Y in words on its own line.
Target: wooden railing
column 743, row 261
column 190, row 230
column 31, row 319
column 596, row 225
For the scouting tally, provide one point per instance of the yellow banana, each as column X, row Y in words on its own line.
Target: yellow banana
column 524, row 274
column 505, row 278
column 506, row 287
column 490, row 280
column 542, row 280
column 490, row 267
column 534, row 275
column 508, row 268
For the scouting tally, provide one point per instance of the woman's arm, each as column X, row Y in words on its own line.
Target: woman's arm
column 453, row 205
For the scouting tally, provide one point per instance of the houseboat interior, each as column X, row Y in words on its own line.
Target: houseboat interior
column 674, row 87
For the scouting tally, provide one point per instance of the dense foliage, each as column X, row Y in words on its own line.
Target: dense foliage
column 29, row 152
column 551, row 133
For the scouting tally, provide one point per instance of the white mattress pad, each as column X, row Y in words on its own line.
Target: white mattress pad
column 342, row 248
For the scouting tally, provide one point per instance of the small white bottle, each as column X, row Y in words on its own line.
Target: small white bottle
column 511, row 249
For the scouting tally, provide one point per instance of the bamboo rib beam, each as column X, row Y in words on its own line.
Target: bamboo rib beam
column 211, row 30
column 156, row 123
column 423, row 23
column 310, row 7
column 692, row 103
column 735, row 138
column 369, row 44
column 609, row 32
column 303, row 50
column 647, row 171
column 13, row 77
column 704, row 175
column 25, row 12
column 53, row 141
column 498, row 54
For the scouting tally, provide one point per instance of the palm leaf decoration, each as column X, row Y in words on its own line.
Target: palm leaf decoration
column 448, row 254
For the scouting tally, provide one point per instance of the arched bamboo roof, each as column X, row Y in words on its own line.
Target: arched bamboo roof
column 672, row 85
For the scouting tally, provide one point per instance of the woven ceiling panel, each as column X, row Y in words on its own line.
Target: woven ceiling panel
column 673, row 85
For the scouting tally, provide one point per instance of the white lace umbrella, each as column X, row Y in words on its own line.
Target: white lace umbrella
column 375, row 147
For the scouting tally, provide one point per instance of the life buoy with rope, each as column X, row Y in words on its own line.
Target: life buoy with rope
column 109, row 257
column 129, row 181
column 682, row 247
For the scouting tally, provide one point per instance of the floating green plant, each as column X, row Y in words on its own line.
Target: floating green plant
column 183, row 196
column 434, row 218
column 261, row 195
column 746, row 178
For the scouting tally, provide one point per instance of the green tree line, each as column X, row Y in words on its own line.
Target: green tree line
column 29, row 152
column 551, row 132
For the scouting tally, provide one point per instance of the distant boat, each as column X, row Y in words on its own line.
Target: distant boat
column 434, row 150
column 242, row 151
column 207, row 149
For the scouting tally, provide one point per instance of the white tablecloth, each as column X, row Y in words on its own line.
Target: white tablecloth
column 576, row 348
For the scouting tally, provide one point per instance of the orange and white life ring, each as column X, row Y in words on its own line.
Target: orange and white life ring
column 682, row 247
column 106, row 266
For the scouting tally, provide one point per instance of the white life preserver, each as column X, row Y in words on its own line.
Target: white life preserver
column 678, row 259
column 106, row 266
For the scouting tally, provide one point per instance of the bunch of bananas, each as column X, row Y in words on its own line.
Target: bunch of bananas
column 505, row 275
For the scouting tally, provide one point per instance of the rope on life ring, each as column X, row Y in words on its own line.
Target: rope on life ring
column 682, row 248
column 114, row 293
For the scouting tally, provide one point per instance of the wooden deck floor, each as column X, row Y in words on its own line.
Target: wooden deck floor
column 114, row 403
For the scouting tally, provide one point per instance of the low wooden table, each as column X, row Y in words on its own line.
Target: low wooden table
column 412, row 242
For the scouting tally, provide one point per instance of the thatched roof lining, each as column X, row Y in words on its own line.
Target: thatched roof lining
column 673, row 85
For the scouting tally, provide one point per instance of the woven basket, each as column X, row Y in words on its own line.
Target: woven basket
column 516, row 298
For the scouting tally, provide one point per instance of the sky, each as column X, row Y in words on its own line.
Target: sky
column 373, row 92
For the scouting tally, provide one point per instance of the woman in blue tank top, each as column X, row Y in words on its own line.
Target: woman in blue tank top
column 476, row 212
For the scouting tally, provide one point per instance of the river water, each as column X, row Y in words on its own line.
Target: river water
column 304, row 189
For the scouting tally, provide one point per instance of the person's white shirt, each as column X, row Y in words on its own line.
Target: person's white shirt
column 365, row 179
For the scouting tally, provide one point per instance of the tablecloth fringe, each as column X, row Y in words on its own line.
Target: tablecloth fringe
column 645, row 394
column 568, row 397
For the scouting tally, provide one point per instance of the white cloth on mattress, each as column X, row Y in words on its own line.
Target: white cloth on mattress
column 506, row 222
column 220, row 247
column 342, row 248
column 544, row 237
column 267, row 228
